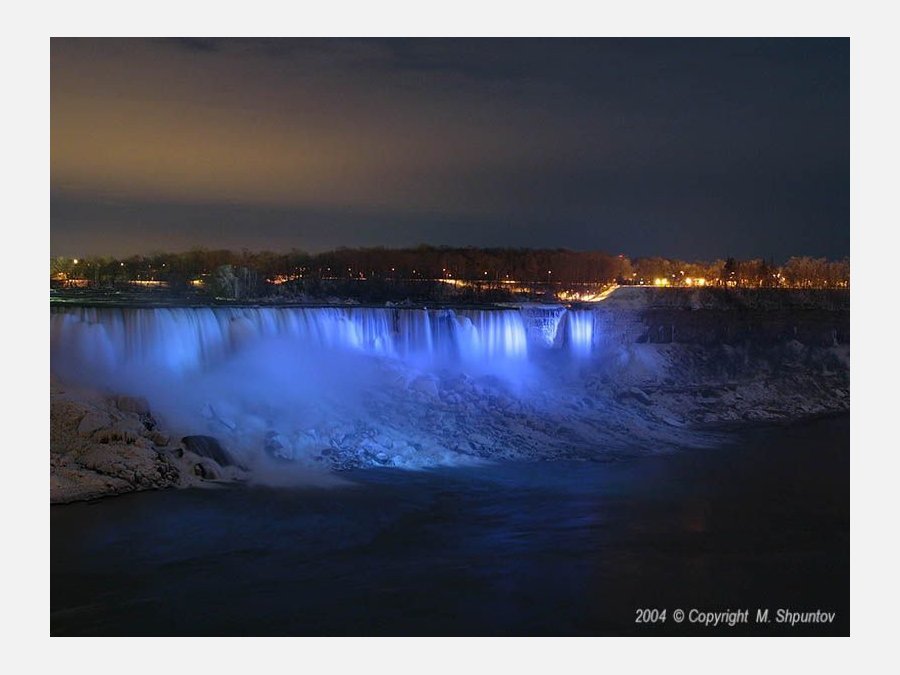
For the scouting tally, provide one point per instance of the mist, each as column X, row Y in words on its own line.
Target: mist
column 308, row 389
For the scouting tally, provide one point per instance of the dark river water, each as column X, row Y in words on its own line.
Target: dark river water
column 551, row 548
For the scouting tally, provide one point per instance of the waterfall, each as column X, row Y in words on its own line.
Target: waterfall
column 390, row 386
column 182, row 339
column 576, row 332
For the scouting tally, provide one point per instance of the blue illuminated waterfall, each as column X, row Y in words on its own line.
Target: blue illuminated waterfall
column 187, row 339
column 575, row 332
column 390, row 386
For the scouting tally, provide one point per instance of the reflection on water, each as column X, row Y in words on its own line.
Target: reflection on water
column 542, row 548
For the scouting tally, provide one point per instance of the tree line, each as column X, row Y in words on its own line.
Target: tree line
column 248, row 273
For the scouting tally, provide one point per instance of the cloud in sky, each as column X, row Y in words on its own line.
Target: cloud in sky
column 679, row 147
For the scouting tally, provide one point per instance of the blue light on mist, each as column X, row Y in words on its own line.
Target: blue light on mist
column 414, row 379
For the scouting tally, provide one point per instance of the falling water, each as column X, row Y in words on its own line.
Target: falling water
column 576, row 332
column 189, row 339
column 403, row 387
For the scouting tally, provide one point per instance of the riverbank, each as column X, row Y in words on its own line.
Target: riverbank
column 104, row 445
column 619, row 297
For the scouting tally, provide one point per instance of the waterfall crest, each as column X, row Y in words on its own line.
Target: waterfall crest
column 182, row 339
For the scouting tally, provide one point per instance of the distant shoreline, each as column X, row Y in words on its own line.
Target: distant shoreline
column 643, row 296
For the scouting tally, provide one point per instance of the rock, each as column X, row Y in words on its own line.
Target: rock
column 461, row 383
column 133, row 404
column 159, row 438
column 98, row 448
column 637, row 394
column 673, row 421
column 207, row 446
column 126, row 431
column 795, row 349
column 278, row 446
column 425, row 385
column 92, row 422
column 206, row 471
column 384, row 441
column 229, row 424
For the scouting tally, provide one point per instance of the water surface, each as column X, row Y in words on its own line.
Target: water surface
column 558, row 548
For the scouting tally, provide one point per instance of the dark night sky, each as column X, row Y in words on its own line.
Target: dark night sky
column 688, row 148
